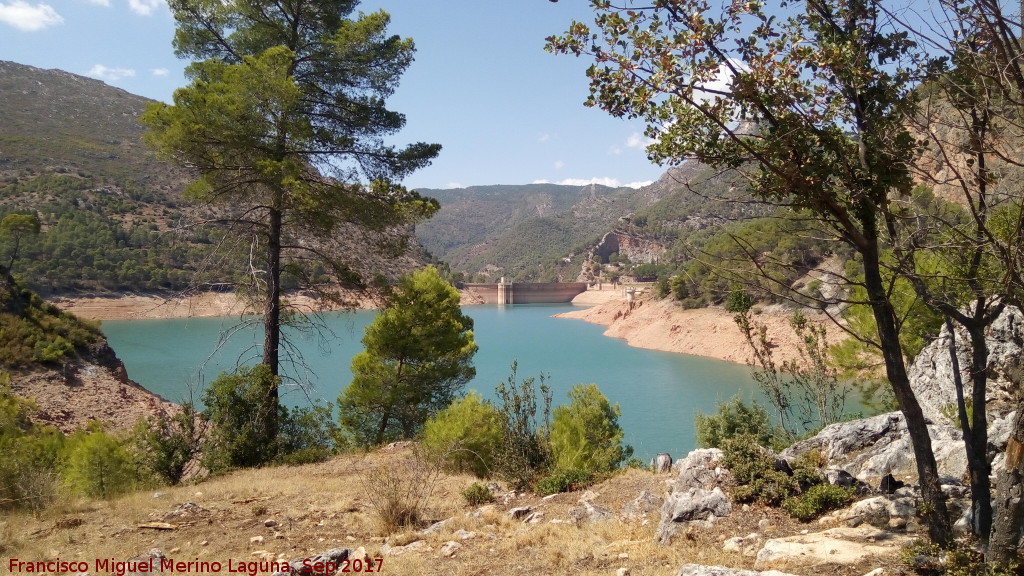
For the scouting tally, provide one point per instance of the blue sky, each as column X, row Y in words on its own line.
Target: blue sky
column 505, row 111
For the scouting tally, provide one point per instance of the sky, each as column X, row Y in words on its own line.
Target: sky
column 482, row 86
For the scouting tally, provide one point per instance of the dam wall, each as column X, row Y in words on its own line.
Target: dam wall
column 527, row 292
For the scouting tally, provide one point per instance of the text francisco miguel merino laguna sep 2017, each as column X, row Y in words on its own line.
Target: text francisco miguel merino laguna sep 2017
column 168, row 565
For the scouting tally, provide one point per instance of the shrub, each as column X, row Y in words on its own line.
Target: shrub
column 817, row 500
column 755, row 472
column 585, row 434
column 738, row 301
column 525, row 450
column 564, row 481
column 307, row 434
column 98, row 465
column 733, row 418
column 477, row 494
column 399, row 492
column 240, row 410
column 171, row 443
column 466, row 435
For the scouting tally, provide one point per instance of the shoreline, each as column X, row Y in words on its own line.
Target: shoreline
column 665, row 326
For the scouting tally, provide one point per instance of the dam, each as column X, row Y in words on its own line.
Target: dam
column 527, row 292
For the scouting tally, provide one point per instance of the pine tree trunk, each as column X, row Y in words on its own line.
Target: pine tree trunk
column 272, row 316
column 1008, row 526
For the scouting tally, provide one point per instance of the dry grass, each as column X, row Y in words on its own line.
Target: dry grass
column 320, row 506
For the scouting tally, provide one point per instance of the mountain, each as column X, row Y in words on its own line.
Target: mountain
column 113, row 216
column 532, row 232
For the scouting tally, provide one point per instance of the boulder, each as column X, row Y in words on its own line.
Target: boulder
column 323, row 564
column 871, row 448
column 693, row 505
column 846, row 546
column 931, row 375
column 881, row 510
column 644, row 504
column 589, row 512
column 699, row 570
column 746, row 545
column 700, row 469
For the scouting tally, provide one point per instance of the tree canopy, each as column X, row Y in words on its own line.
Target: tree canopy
column 418, row 357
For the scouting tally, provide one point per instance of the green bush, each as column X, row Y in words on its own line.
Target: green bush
column 734, row 418
column 307, row 434
column 585, row 434
column 242, row 415
column 99, row 465
column 477, row 494
column 564, row 481
column 171, row 443
column 738, row 301
column 525, row 451
column 817, row 500
column 754, row 471
column 466, row 435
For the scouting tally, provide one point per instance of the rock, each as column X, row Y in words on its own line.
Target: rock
column 838, row 477
column 533, row 518
column 270, row 523
column 845, row 546
column 519, row 513
column 747, row 545
column 256, row 540
column 872, row 447
column 186, row 510
column 588, row 512
column 644, row 504
column 417, row 546
column 662, row 463
column 449, row 548
column 622, row 572
column 880, row 510
column 764, row 524
column 588, row 496
column 696, row 504
column 436, row 526
column 463, row 534
column 700, row 469
column 931, row 375
column 278, row 535
column 323, row 564
column 698, row 570
column 876, row 572
column 897, row 524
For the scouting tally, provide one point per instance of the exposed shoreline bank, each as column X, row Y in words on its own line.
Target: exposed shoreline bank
column 665, row 326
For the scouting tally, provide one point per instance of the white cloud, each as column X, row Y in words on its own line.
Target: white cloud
column 145, row 7
column 99, row 2
column 559, row 165
column 25, row 16
column 109, row 74
column 452, row 185
column 638, row 140
column 160, row 71
column 606, row 181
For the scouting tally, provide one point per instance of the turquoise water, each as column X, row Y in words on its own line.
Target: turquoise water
column 659, row 392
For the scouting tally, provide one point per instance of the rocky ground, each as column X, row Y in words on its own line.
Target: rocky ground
column 286, row 513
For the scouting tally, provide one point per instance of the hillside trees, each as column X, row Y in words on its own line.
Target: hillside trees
column 807, row 105
column 418, row 356
column 284, row 120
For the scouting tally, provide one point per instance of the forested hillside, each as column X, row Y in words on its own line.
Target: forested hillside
column 111, row 216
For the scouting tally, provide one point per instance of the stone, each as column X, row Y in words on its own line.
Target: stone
column 897, row 524
column 644, row 504
column 464, row 534
column 700, row 469
column 256, row 540
column 519, row 513
column 328, row 563
column 695, row 504
column 588, row 512
column 622, row 572
column 876, row 572
column 844, row 546
column 435, row 527
column 881, row 510
column 270, row 523
column 746, row 545
column 662, row 463
column 533, row 518
column 449, row 548
column 417, row 546
column 890, row 485
column 699, row 570
column 588, row 496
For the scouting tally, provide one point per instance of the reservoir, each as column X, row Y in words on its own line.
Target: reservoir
column 658, row 392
